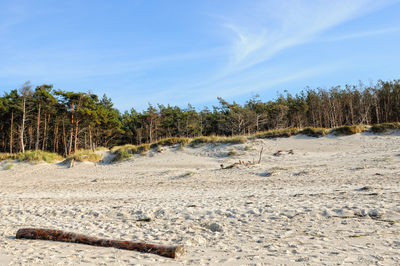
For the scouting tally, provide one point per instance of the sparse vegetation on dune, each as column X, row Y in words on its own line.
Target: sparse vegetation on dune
column 32, row 156
column 86, row 155
column 232, row 152
column 349, row 130
column 218, row 139
column 101, row 148
column 384, row 127
column 121, row 156
column 276, row 133
column 314, row 131
column 126, row 151
column 8, row 166
column 171, row 141
column 5, row 156
column 130, row 148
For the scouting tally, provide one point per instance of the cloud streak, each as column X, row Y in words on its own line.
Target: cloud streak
column 282, row 26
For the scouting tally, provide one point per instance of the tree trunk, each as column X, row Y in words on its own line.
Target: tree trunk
column 90, row 138
column 38, row 128
column 21, row 135
column 71, row 133
column 44, row 132
column 11, row 132
column 55, row 144
column 76, row 136
column 64, row 139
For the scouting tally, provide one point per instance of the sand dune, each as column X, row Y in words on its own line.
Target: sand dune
column 334, row 200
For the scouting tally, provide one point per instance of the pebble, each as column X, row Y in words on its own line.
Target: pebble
column 215, row 227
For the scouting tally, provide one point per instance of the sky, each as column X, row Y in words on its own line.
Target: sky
column 185, row 51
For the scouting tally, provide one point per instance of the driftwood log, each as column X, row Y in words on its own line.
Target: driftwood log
column 57, row 235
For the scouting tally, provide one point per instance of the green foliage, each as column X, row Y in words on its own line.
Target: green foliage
column 314, row 132
column 384, row 127
column 349, row 130
column 277, row 133
column 86, row 155
column 52, row 116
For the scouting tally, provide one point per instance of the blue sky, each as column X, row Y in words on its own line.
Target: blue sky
column 183, row 51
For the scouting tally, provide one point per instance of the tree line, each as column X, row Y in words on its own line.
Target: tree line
column 61, row 121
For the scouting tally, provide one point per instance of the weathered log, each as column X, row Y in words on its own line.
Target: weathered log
column 57, row 235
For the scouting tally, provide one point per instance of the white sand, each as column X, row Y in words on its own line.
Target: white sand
column 300, row 208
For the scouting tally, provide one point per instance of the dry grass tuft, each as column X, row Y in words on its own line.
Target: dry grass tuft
column 232, row 152
column 221, row 140
column 276, row 133
column 126, row 151
column 349, row 130
column 86, row 155
column 384, row 127
column 314, row 131
column 171, row 141
column 32, row 156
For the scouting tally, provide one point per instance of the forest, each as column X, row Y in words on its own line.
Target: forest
column 48, row 119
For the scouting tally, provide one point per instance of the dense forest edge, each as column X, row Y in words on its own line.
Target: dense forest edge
column 47, row 120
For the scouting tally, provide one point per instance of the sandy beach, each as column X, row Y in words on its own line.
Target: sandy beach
column 332, row 200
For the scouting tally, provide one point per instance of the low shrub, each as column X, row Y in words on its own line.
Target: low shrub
column 314, row 131
column 384, row 127
column 217, row 139
column 5, row 156
column 121, row 156
column 349, row 130
column 171, row 141
column 276, row 133
column 132, row 149
column 126, row 151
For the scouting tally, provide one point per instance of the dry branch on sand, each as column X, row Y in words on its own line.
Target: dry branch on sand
column 248, row 163
column 57, row 235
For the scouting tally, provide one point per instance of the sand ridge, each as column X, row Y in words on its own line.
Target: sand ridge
column 334, row 200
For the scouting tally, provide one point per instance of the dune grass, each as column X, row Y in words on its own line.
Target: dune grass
column 125, row 152
column 384, row 127
column 171, row 141
column 349, row 130
column 101, row 148
column 219, row 140
column 86, row 156
column 276, row 133
column 32, row 156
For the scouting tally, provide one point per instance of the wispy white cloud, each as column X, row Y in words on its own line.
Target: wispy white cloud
column 284, row 24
